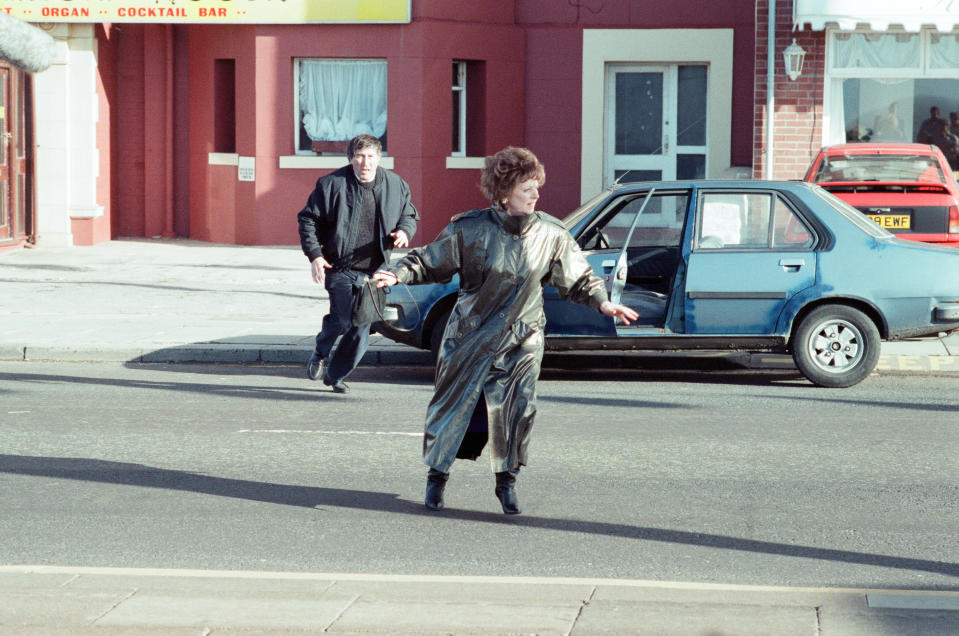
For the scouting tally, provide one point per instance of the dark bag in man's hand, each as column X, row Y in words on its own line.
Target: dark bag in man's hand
column 370, row 303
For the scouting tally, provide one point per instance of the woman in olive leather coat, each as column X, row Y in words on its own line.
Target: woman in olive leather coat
column 492, row 348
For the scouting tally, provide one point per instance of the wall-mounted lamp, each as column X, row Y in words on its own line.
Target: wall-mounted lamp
column 793, row 57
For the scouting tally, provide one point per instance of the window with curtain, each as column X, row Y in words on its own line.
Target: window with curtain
column 337, row 100
column 944, row 50
column 876, row 50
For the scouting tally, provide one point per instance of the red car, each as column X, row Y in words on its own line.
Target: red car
column 909, row 189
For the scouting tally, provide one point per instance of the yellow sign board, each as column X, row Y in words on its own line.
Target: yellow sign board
column 210, row 11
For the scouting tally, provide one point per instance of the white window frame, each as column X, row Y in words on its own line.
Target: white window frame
column 459, row 117
column 923, row 71
column 296, row 97
column 835, row 76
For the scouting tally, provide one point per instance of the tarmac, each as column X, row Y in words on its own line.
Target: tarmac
column 184, row 301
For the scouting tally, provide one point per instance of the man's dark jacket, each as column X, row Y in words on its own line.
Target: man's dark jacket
column 328, row 222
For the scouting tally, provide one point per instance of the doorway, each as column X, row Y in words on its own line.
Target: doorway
column 655, row 122
column 16, row 203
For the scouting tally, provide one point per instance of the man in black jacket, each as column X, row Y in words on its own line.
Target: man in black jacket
column 352, row 221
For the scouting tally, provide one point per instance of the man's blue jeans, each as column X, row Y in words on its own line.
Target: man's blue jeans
column 342, row 358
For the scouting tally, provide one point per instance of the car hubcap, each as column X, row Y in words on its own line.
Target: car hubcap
column 836, row 346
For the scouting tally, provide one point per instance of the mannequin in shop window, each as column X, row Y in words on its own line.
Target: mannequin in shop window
column 888, row 127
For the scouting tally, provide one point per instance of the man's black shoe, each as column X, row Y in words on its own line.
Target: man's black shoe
column 313, row 366
column 338, row 387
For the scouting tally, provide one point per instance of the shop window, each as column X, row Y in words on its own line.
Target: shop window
column 894, row 87
column 468, row 109
column 224, row 106
column 337, row 100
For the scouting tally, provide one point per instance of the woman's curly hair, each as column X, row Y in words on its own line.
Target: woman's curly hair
column 506, row 168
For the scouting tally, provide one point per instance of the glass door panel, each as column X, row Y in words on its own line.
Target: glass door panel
column 655, row 122
column 639, row 113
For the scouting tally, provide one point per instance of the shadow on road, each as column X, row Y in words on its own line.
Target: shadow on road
column 310, row 391
column 127, row 474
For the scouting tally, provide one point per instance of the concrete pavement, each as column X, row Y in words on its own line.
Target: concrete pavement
column 189, row 301
column 64, row 600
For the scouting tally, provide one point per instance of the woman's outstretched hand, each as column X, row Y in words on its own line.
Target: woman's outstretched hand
column 616, row 310
column 384, row 278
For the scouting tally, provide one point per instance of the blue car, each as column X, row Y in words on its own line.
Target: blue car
column 756, row 266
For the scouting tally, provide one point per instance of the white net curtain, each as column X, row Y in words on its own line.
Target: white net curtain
column 340, row 99
column 877, row 50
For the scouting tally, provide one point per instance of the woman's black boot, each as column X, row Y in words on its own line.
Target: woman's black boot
column 435, row 483
column 506, row 493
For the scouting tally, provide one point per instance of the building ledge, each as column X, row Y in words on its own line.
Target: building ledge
column 303, row 162
column 465, row 163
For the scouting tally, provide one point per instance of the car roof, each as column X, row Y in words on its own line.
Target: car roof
column 751, row 184
column 878, row 148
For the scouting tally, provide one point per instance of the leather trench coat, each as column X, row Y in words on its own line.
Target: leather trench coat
column 493, row 343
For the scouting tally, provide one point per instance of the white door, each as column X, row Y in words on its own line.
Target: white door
column 655, row 122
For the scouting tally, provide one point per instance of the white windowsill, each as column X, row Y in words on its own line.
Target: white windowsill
column 465, row 163
column 223, row 158
column 304, row 162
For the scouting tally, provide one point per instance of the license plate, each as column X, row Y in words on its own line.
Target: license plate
column 891, row 221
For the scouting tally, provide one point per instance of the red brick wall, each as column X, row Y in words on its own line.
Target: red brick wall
column 798, row 105
column 129, row 114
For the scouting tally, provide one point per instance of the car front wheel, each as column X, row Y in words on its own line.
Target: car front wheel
column 836, row 346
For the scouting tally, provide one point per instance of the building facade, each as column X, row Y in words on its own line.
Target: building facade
column 162, row 122
column 873, row 70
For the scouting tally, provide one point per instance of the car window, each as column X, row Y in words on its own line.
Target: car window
column 788, row 229
column 905, row 168
column 660, row 224
column 749, row 220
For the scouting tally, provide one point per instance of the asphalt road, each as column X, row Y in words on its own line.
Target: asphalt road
column 707, row 476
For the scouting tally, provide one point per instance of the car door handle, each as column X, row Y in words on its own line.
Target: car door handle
column 791, row 264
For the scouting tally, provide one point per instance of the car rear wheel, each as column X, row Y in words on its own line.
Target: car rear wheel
column 836, row 346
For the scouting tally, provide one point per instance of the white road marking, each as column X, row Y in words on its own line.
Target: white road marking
column 284, row 431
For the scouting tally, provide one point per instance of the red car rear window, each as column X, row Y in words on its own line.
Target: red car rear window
column 888, row 168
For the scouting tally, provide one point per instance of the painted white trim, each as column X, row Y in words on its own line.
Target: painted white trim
column 713, row 47
column 223, row 158
column 67, row 160
column 465, row 163
column 299, row 162
column 87, row 212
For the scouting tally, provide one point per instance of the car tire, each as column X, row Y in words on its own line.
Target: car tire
column 436, row 334
column 836, row 346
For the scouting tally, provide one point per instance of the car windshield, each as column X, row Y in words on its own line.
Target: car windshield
column 904, row 168
column 855, row 216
